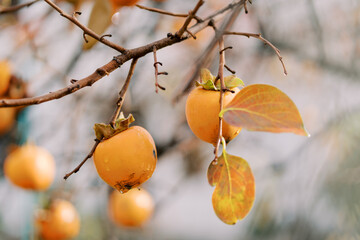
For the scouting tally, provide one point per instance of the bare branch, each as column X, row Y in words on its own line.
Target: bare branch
column 123, row 91
column 83, row 161
column 229, row 69
column 119, row 60
column 86, row 30
column 258, row 36
column 189, row 18
column 17, row 7
column 162, row 11
column 156, row 63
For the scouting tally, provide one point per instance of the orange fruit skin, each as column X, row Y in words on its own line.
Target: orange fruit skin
column 127, row 159
column 7, row 119
column 131, row 209
column 202, row 114
column 5, row 75
column 30, row 167
column 121, row 3
column 59, row 222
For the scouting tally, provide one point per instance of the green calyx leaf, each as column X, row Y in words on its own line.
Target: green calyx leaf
column 210, row 82
column 207, row 80
column 231, row 82
column 106, row 131
column 208, row 85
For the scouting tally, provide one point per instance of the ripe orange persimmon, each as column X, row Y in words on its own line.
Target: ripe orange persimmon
column 30, row 167
column 131, row 209
column 60, row 221
column 7, row 119
column 127, row 159
column 122, row 3
column 5, row 74
column 202, row 114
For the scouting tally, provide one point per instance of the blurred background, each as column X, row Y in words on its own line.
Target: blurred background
column 306, row 188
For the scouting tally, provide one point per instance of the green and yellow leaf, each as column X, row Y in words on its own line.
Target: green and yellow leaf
column 231, row 82
column 261, row 107
column 208, row 81
column 234, row 193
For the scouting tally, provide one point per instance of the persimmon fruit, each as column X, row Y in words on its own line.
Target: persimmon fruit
column 126, row 159
column 122, row 3
column 60, row 221
column 5, row 75
column 30, row 167
column 202, row 114
column 7, row 119
column 131, row 209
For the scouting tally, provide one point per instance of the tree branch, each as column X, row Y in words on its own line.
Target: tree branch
column 83, row 161
column 189, row 18
column 258, row 36
column 17, row 7
column 86, row 30
column 117, row 62
column 162, row 11
column 157, row 73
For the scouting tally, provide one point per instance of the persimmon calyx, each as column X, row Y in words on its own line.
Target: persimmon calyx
column 210, row 82
column 106, row 131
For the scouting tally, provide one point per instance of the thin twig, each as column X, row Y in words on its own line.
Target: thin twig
column 245, row 7
column 162, row 11
column 86, row 30
column 157, row 73
column 17, row 7
column 119, row 60
column 229, row 69
column 222, row 92
column 258, row 36
column 191, row 15
column 83, row 161
column 123, row 91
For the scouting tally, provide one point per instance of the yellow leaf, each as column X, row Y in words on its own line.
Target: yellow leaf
column 100, row 20
column 234, row 193
column 261, row 107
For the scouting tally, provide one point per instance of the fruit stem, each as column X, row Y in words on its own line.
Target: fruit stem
column 122, row 92
column 222, row 92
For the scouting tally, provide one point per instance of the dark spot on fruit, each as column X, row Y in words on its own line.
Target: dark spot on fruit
column 154, row 153
column 129, row 183
column 128, row 186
